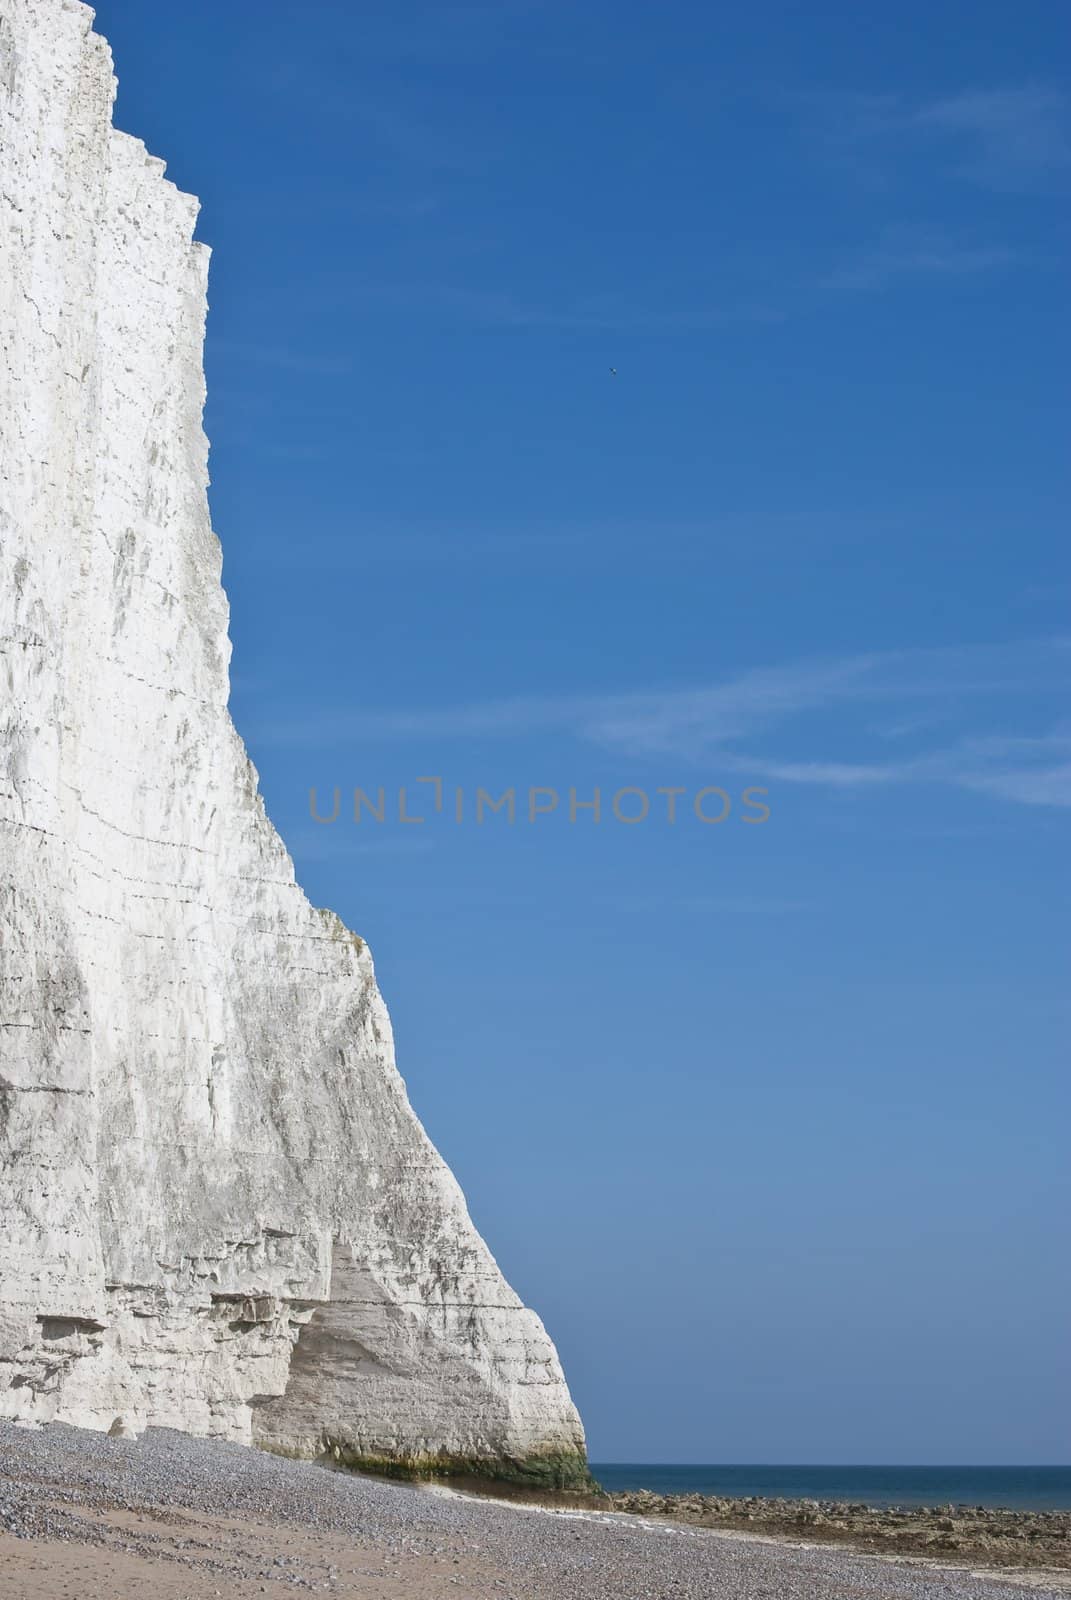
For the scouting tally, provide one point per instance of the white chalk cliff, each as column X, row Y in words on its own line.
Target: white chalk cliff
column 217, row 1210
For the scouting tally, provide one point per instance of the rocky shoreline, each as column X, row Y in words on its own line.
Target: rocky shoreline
column 994, row 1538
column 84, row 1516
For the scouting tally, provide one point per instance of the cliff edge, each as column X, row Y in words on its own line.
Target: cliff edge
column 218, row 1211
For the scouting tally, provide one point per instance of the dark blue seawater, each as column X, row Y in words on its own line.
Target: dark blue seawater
column 1017, row 1488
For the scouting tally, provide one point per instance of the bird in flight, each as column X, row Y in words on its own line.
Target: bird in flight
column 613, row 372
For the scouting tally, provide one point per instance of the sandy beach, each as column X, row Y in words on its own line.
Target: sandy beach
column 98, row 1518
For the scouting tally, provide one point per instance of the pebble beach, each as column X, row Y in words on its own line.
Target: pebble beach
column 97, row 1518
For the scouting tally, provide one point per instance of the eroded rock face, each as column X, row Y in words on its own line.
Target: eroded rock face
column 218, row 1211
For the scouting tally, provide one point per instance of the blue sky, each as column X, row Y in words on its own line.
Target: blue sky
column 768, row 1121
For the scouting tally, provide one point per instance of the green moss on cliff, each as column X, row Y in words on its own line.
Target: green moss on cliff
column 553, row 1471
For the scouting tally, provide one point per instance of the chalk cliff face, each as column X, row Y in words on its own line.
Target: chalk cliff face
column 217, row 1210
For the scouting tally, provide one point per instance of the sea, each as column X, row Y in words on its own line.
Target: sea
column 1015, row 1488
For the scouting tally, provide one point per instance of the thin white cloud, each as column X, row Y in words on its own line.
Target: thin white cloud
column 1044, row 787
column 733, row 721
column 283, row 358
column 1012, row 137
column 994, row 765
column 1003, row 136
column 748, row 905
column 598, row 313
column 827, row 774
column 908, row 253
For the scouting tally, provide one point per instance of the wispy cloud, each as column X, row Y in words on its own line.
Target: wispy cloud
column 408, row 138
column 429, row 547
column 590, row 541
column 1003, row 137
column 1014, row 137
column 448, row 35
column 732, row 721
column 1034, row 772
column 919, row 253
column 731, row 905
column 651, row 722
column 282, row 358
column 609, row 312
column 1049, row 787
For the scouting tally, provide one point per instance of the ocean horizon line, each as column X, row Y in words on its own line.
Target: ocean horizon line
column 1027, row 1486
